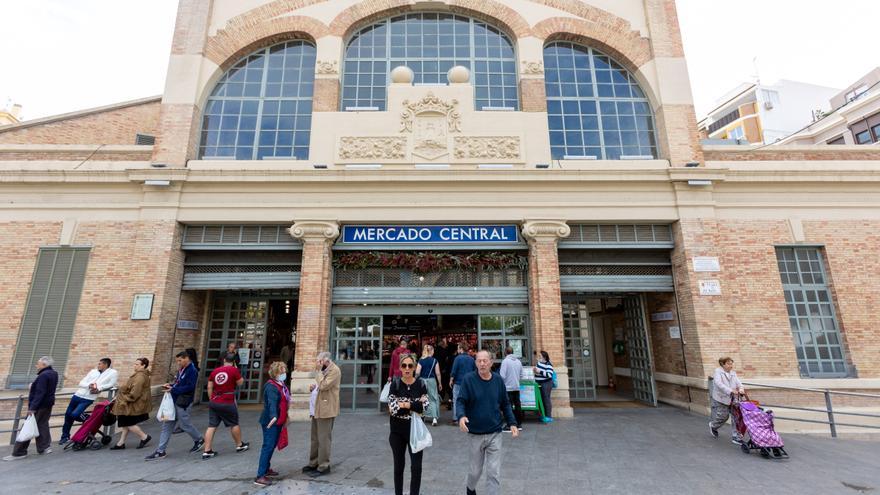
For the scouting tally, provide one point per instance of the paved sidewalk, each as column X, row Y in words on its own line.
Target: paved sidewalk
column 601, row 451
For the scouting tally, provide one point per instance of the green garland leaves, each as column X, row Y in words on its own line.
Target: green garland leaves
column 430, row 261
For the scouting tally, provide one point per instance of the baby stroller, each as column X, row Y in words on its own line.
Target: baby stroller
column 87, row 434
column 756, row 427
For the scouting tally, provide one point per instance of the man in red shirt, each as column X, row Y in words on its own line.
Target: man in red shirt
column 221, row 390
column 394, row 370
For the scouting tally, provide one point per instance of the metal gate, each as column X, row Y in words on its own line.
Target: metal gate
column 356, row 344
column 579, row 357
column 240, row 317
column 639, row 349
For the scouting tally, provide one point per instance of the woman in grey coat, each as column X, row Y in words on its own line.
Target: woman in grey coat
column 725, row 382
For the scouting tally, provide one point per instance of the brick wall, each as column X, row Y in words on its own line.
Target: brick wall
column 127, row 258
column 112, row 126
column 749, row 321
column 20, row 242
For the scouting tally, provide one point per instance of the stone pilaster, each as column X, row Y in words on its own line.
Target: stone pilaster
column 545, row 301
column 312, row 322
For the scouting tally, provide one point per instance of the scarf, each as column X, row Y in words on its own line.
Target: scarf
column 282, row 414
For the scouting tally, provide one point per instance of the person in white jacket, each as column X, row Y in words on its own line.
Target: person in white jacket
column 100, row 379
column 724, row 383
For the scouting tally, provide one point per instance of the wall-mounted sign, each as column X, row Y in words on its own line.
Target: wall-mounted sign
column 244, row 356
column 142, row 307
column 662, row 316
column 187, row 325
column 710, row 288
column 674, row 332
column 706, row 264
column 430, row 234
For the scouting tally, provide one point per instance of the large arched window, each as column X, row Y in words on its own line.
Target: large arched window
column 595, row 107
column 430, row 45
column 262, row 106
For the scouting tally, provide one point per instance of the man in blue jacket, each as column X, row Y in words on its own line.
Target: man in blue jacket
column 182, row 391
column 481, row 402
column 41, row 398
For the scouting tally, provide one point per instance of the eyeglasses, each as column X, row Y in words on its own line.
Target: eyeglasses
column 404, row 365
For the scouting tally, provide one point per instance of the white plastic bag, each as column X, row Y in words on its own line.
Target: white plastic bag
column 28, row 430
column 166, row 408
column 419, row 436
column 386, row 390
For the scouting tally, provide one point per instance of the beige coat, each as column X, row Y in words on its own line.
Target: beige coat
column 134, row 397
column 327, row 405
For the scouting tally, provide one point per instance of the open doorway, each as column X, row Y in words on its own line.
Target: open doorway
column 607, row 349
column 439, row 331
column 262, row 326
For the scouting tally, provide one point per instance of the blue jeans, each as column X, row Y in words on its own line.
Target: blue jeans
column 456, row 414
column 74, row 412
column 270, row 439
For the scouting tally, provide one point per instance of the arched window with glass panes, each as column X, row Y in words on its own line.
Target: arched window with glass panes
column 262, row 107
column 430, row 44
column 595, row 107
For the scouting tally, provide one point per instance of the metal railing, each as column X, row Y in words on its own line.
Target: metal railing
column 19, row 407
column 828, row 410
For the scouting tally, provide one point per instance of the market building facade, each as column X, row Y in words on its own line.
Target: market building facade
column 334, row 175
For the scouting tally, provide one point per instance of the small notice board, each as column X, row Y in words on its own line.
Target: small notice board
column 530, row 397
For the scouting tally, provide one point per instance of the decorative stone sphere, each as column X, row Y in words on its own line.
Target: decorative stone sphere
column 402, row 75
column 458, row 74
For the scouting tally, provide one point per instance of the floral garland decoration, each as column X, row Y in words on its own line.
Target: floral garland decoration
column 428, row 262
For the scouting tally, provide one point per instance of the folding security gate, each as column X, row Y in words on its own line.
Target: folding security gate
column 356, row 345
column 579, row 354
column 639, row 348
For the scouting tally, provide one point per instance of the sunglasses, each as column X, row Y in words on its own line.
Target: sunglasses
column 405, row 365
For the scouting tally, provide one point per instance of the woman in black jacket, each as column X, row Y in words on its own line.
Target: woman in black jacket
column 407, row 395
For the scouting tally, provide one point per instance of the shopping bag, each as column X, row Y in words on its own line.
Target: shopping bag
column 386, row 390
column 555, row 380
column 166, row 408
column 28, row 430
column 419, row 436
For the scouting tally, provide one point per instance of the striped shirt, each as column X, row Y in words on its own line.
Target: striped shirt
column 545, row 372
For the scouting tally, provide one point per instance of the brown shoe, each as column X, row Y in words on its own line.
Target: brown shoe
column 262, row 481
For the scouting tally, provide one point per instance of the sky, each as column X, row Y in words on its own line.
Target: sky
column 59, row 56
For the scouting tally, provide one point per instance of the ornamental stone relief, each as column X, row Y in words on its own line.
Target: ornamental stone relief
column 430, row 104
column 327, row 67
column 430, row 120
column 533, row 68
column 385, row 148
column 507, row 147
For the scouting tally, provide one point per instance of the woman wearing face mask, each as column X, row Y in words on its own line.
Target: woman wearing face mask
column 407, row 395
column 544, row 377
column 273, row 421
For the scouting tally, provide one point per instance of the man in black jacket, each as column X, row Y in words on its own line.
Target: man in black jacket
column 41, row 398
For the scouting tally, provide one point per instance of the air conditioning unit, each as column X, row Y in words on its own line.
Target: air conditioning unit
column 768, row 105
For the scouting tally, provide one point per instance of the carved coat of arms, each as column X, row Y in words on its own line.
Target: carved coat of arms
column 430, row 120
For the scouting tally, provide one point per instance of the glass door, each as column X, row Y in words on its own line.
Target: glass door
column 497, row 332
column 356, row 345
column 578, row 349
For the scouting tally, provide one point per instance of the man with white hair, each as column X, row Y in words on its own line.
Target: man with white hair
column 323, row 407
column 41, row 398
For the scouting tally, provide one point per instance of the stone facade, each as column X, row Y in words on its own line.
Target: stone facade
column 431, row 158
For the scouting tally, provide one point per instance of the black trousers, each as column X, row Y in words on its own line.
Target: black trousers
column 399, row 447
column 44, row 440
column 513, row 397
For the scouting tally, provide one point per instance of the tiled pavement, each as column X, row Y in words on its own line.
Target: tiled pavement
column 601, row 451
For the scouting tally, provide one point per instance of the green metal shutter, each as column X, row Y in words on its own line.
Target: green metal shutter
column 50, row 313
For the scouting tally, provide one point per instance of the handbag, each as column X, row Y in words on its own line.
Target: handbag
column 28, row 430
column 386, row 390
column 184, row 400
column 419, row 436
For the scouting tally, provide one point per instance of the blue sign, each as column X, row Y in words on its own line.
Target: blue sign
column 430, row 234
